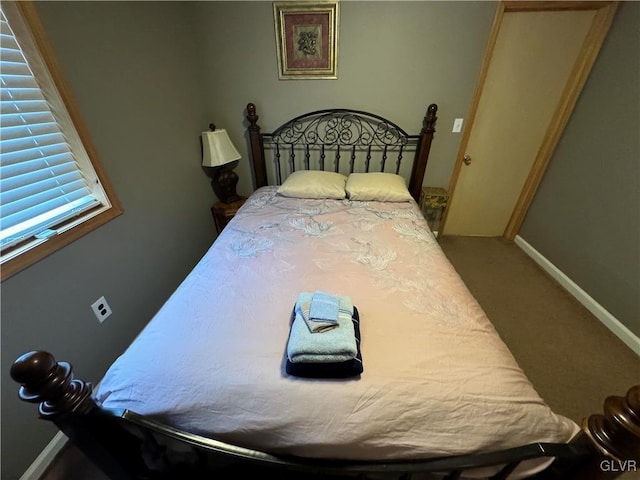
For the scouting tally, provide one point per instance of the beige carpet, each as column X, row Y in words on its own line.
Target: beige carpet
column 571, row 358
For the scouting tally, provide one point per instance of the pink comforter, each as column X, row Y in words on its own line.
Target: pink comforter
column 437, row 380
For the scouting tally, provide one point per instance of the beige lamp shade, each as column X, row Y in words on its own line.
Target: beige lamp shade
column 217, row 149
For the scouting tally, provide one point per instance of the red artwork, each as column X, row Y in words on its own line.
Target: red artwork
column 307, row 39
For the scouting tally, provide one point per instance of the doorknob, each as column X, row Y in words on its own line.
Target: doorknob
column 466, row 159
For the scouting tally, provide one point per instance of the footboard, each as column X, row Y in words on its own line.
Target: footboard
column 125, row 445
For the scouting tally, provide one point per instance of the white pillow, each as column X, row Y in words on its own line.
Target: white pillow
column 383, row 187
column 314, row 184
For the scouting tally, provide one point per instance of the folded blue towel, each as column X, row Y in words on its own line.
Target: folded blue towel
column 335, row 345
column 319, row 310
column 324, row 307
column 346, row 369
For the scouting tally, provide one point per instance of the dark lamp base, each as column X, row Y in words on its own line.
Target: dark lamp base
column 223, row 182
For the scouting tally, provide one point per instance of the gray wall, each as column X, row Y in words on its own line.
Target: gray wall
column 148, row 78
column 585, row 217
column 134, row 70
column 394, row 59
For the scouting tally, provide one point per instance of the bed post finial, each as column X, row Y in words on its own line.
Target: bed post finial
column 257, row 147
column 617, row 432
column 51, row 384
column 429, row 121
column 252, row 116
column 614, row 439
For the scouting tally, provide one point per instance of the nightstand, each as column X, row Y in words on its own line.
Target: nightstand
column 224, row 212
column 433, row 201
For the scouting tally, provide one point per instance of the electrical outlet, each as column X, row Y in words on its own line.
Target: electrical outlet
column 101, row 309
column 457, row 125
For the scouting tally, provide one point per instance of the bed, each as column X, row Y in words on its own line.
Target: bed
column 430, row 391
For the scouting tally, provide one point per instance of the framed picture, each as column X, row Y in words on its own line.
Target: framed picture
column 307, row 39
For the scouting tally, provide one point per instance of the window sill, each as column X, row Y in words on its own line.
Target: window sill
column 25, row 255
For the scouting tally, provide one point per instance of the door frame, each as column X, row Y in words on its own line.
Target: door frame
column 605, row 11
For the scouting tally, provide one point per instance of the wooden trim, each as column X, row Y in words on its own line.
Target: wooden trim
column 590, row 49
column 28, row 258
column 32, row 19
column 471, row 115
column 29, row 14
column 37, row 29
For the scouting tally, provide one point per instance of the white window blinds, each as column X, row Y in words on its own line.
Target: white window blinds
column 44, row 182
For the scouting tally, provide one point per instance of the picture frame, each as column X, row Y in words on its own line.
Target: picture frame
column 307, row 39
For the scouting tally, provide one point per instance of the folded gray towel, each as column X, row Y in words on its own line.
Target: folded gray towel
column 336, row 345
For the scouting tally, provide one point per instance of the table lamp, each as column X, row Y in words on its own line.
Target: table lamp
column 219, row 158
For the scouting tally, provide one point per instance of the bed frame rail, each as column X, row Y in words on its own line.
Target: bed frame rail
column 340, row 140
column 125, row 445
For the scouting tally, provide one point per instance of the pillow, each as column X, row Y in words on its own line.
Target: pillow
column 383, row 187
column 314, row 184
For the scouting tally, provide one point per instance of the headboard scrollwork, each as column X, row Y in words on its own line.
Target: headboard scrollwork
column 340, row 127
column 340, row 140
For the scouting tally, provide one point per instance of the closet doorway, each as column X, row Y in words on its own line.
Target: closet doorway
column 538, row 58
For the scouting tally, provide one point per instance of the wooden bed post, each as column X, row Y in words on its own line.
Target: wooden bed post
column 615, row 436
column 422, row 153
column 68, row 403
column 257, row 151
column 51, row 385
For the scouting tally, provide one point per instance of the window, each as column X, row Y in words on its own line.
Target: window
column 52, row 187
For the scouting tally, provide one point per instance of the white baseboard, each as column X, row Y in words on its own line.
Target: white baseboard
column 40, row 464
column 611, row 322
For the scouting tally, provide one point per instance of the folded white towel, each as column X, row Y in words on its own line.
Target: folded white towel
column 335, row 345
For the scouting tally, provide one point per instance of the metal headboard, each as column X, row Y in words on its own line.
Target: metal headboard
column 340, row 140
column 329, row 139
